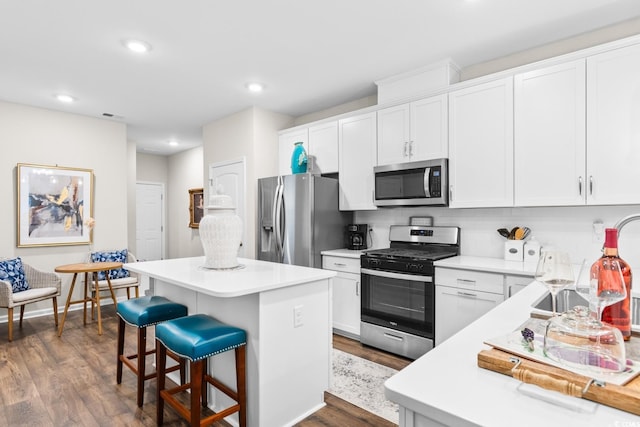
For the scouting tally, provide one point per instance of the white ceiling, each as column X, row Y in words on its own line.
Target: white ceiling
column 310, row 54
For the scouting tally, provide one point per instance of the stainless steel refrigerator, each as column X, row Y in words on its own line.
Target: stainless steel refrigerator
column 298, row 217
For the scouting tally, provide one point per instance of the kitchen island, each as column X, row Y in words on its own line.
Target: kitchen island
column 285, row 310
column 445, row 387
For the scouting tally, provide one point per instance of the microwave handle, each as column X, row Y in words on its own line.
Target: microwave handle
column 427, row 183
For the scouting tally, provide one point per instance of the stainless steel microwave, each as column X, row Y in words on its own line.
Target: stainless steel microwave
column 412, row 184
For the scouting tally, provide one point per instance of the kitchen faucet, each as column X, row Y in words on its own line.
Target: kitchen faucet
column 626, row 220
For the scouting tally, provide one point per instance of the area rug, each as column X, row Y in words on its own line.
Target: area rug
column 361, row 382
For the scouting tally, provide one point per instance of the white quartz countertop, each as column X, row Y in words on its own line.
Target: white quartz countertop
column 492, row 265
column 254, row 276
column 447, row 385
column 344, row 253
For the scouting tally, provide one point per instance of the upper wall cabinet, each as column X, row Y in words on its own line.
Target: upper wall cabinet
column 549, row 147
column 357, row 156
column 613, row 127
column 413, row 132
column 323, row 147
column 286, row 142
column 481, row 145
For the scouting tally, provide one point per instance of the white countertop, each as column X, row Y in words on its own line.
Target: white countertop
column 254, row 276
column 492, row 265
column 344, row 253
column 447, row 385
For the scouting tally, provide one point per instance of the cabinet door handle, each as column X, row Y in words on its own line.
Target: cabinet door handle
column 580, row 186
column 467, row 294
column 410, row 148
column 466, row 282
column 591, row 185
column 339, row 264
column 358, row 289
column 451, row 192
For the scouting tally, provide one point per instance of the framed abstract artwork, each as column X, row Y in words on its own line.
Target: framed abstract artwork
column 196, row 207
column 54, row 204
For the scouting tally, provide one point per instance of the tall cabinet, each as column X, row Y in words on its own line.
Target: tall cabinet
column 357, row 156
column 550, row 144
column 481, row 145
column 613, row 127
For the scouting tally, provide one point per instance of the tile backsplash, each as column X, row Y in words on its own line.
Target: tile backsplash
column 568, row 228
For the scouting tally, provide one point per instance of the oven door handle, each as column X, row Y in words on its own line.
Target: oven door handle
column 400, row 276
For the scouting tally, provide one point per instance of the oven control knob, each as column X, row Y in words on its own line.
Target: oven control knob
column 374, row 262
column 414, row 267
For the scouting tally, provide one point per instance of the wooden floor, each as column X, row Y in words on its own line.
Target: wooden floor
column 70, row 381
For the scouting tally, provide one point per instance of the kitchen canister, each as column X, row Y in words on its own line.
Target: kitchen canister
column 298, row 158
column 221, row 233
column 513, row 250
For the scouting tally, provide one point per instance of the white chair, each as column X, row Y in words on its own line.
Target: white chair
column 133, row 281
column 42, row 286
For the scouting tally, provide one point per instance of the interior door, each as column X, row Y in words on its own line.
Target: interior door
column 229, row 178
column 149, row 221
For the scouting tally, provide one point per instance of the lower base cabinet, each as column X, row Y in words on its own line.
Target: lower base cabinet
column 346, row 304
column 346, row 295
column 457, row 308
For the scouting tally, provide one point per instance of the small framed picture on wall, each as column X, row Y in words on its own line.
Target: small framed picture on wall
column 196, row 207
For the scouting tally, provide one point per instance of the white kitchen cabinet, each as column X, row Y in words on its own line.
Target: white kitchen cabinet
column 414, row 131
column 549, row 141
column 356, row 158
column 323, row 147
column 462, row 296
column 456, row 308
column 514, row 284
column 613, row 127
column 286, row 142
column 481, row 145
column 346, row 294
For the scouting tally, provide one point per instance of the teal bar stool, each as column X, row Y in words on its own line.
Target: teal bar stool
column 196, row 338
column 142, row 312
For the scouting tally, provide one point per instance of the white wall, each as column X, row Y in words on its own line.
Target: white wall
column 251, row 133
column 152, row 168
column 184, row 172
column 560, row 47
column 39, row 136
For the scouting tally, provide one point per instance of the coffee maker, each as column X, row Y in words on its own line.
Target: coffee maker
column 356, row 235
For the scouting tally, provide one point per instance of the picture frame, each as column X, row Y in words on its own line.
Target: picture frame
column 196, row 207
column 53, row 205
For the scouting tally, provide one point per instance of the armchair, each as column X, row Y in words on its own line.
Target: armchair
column 42, row 286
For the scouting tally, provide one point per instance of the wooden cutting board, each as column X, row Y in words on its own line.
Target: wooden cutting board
column 626, row 398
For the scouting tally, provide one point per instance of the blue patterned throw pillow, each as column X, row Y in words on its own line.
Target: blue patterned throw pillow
column 12, row 271
column 111, row 256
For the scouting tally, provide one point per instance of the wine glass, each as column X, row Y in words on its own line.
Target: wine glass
column 608, row 284
column 586, row 287
column 555, row 271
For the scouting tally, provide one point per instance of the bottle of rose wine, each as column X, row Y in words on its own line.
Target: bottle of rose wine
column 618, row 314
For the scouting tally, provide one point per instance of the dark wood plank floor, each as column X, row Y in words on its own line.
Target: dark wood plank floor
column 70, row 381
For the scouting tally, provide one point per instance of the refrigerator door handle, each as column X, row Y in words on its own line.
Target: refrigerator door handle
column 277, row 218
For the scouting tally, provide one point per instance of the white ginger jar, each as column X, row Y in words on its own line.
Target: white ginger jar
column 221, row 233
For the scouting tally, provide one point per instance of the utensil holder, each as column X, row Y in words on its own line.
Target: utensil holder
column 514, row 250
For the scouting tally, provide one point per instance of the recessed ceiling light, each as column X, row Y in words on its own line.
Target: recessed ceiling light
column 137, row 46
column 255, row 87
column 65, row 98
column 173, row 143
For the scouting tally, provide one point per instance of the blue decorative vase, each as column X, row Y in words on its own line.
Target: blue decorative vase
column 298, row 159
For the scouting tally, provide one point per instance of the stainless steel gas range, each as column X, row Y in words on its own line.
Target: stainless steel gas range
column 398, row 292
